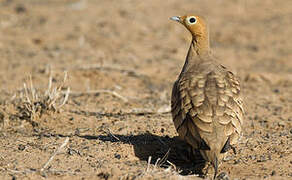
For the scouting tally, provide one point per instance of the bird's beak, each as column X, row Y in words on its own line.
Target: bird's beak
column 176, row 18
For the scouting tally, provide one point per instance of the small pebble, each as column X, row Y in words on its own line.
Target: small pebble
column 237, row 161
column 71, row 151
column 228, row 158
column 252, row 157
column 117, row 156
column 223, row 176
column 273, row 173
column 21, row 147
column 262, row 159
column 103, row 175
column 281, row 124
column 20, row 9
column 276, row 90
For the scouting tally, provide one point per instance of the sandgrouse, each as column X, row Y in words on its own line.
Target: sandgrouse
column 206, row 104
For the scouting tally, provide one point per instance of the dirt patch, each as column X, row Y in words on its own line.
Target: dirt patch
column 121, row 60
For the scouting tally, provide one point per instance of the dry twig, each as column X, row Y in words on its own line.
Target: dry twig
column 17, row 171
column 109, row 68
column 162, row 173
column 148, row 164
column 94, row 92
column 109, row 131
column 55, row 153
column 163, row 159
column 135, row 112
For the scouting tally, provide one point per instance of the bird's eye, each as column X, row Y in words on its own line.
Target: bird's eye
column 192, row 20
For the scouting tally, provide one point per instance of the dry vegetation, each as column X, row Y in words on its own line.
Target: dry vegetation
column 31, row 104
column 109, row 118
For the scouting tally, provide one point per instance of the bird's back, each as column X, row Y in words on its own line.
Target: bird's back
column 207, row 107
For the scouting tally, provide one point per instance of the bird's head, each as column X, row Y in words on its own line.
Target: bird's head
column 195, row 24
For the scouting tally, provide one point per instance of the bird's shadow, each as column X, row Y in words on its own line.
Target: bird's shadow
column 163, row 150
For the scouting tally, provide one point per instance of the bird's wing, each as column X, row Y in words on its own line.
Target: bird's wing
column 230, row 107
column 190, row 114
column 200, row 99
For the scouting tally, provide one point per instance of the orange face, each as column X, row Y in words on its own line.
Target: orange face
column 195, row 24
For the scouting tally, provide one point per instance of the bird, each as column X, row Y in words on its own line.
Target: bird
column 206, row 100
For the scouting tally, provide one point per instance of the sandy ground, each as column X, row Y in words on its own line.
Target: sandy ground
column 131, row 48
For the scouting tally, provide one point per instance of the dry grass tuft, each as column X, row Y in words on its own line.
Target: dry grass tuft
column 32, row 103
column 156, row 170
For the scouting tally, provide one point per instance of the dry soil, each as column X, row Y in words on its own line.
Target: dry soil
column 122, row 57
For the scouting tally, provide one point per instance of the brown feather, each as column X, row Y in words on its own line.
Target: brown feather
column 206, row 102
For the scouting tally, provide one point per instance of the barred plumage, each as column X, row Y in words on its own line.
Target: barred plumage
column 206, row 102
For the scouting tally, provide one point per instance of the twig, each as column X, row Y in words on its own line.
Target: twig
column 26, row 93
column 148, row 165
column 146, row 112
column 55, row 153
column 110, row 68
column 32, row 89
column 157, row 163
column 94, row 92
column 164, row 158
column 133, row 113
column 173, row 165
column 18, row 172
column 55, row 171
column 66, row 98
column 113, row 135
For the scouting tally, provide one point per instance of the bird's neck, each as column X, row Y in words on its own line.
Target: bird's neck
column 200, row 45
column 199, row 51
